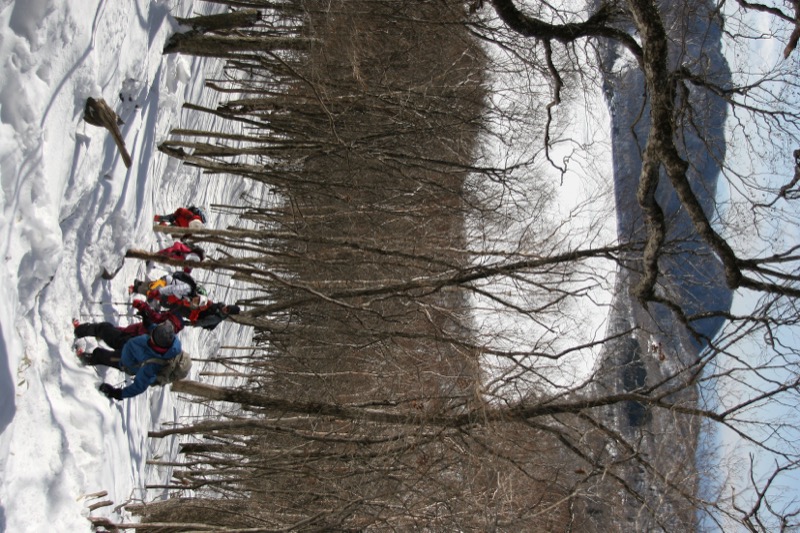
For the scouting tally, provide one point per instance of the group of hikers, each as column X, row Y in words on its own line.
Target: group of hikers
column 150, row 349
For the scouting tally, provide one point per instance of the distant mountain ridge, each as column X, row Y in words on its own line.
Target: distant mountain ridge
column 690, row 273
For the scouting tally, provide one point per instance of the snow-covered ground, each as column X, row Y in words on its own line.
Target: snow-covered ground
column 70, row 207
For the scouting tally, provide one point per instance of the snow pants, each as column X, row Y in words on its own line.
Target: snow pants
column 109, row 334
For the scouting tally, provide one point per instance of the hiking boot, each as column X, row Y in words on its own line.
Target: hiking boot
column 84, row 357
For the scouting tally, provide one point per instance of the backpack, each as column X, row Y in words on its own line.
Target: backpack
column 189, row 280
column 199, row 212
column 173, row 369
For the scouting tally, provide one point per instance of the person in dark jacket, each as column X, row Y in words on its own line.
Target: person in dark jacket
column 130, row 353
column 213, row 315
column 116, row 336
column 200, row 312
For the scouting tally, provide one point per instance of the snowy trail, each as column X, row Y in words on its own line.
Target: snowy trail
column 69, row 208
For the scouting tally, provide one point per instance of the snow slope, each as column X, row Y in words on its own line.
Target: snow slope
column 69, row 208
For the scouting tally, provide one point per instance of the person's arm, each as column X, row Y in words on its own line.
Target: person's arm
column 133, row 354
column 152, row 317
column 145, row 377
column 149, row 315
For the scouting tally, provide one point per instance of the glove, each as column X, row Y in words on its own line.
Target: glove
column 153, row 294
column 110, row 392
column 141, row 305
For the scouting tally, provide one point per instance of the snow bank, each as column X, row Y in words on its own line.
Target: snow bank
column 70, row 208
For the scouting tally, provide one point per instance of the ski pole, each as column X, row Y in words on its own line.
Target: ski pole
column 129, row 315
column 91, row 315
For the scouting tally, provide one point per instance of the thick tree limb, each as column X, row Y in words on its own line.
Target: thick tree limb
column 98, row 113
column 595, row 26
column 662, row 151
column 395, row 416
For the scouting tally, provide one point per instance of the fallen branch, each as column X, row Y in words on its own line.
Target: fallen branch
column 98, row 113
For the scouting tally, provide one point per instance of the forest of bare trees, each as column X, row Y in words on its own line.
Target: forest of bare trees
column 438, row 344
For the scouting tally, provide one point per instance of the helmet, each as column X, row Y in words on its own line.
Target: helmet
column 163, row 334
column 196, row 224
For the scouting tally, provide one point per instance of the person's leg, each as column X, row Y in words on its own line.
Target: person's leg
column 135, row 329
column 101, row 356
column 90, row 329
column 105, row 331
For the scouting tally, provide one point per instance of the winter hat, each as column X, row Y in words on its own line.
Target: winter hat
column 193, row 258
column 163, row 334
column 196, row 224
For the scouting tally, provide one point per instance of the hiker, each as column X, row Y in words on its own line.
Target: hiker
column 116, row 336
column 210, row 317
column 189, row 308
column 178, row 285
column 198, row 310
column 179, row 251
column 184, row 252
column 191, row 217
column 136, row 355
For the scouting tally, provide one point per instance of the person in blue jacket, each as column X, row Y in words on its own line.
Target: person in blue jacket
column 131, row 357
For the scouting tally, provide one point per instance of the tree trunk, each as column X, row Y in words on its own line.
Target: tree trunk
column 204, row 45
column 222, row 21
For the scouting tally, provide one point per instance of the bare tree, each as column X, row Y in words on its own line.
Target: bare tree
column 668, row 102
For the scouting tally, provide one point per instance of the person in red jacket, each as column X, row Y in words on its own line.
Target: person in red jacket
column 189, row 308
column 181, row 251
column 183, row 217
column 116, row 336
